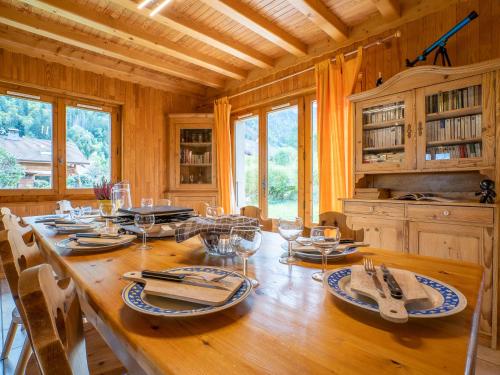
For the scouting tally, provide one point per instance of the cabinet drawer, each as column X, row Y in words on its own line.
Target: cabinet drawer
column 369, row 208
column 477, row 215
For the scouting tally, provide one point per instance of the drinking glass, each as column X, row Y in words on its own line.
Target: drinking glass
column 213, row 211
column 325, row 239
column 145, row 224
column 147, row 202
column 245, row 241
column 107, row 209
column 290, row 230
column 76, row 214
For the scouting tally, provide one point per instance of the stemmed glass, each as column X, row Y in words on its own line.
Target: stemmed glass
column 213, row 211
column 107, row 209
column 147, row 202
column 325, row 239
column 245, row 241
column 76, row 214
column 290, row 230
column 145, row 224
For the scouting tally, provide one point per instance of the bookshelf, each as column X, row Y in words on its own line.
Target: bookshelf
column 192, row 172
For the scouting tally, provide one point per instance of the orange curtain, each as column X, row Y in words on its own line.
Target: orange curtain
column 334, row 82
column 222, row 133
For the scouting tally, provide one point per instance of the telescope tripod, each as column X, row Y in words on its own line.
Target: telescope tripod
column 445, row 59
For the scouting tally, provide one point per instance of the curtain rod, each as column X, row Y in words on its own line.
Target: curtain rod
column 378, row 42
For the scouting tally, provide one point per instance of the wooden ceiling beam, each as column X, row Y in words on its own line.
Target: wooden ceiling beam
column 202, row 34
column 35, row 25
column 83, row 61
column 389, row 9
column 319, row 14
column 249, row 18
column 86, row 16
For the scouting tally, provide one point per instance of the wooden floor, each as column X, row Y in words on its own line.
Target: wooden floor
column 488, row 362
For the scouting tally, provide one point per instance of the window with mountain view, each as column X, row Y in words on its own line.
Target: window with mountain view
column 25, row 143
column 88, row 147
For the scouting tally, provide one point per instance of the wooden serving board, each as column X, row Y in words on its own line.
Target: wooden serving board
column 390, row 308
column 191, row 293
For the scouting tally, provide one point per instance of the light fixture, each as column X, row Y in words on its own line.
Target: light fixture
column 23, row 95
column 159, row 7
column 144, row 3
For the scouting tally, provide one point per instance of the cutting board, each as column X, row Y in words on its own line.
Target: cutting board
column 390, row 308
column 190, row 293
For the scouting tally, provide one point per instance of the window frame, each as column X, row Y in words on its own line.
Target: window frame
column 60, row 102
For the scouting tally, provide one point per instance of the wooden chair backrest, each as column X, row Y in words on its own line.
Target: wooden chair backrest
column 339, row 220
column 54, row 321
column 5, row 211
column 16, row 256
column 11, row 222
column 255, row 212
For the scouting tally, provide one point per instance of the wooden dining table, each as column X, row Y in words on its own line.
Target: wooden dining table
column 290, row 324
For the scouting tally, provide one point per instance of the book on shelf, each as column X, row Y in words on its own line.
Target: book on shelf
column 468, row 150
column 454, row 99
column 188, row 157
column 390, row 157
column 422, row 197
column 385, row 137
column 382, row 113
column 458, row 128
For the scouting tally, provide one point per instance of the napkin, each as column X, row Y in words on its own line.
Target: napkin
column 220, row 225
column 99, row 241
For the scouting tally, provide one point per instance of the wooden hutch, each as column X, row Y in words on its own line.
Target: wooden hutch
column 431, row 130
column 192, row 168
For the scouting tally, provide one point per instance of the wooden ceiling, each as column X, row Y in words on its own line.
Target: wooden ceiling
column 191, row 45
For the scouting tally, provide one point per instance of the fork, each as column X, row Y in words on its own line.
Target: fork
column 371, row 271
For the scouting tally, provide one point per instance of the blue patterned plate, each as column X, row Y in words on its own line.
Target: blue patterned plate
column 444, row 300
column 134, row 297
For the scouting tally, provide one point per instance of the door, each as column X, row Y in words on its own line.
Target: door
column 380, row 233
column 456, row 126
column 461, row 242
column 385, row 134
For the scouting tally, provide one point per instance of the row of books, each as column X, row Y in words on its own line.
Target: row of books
column 454, row 99
column 381, row 113
column 384, row 137
column 469, row 150
column 464, row 127
column 390, row 157
column 188, row 157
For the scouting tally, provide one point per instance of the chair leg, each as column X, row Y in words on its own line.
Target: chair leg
column 23, row 358
column 11, row 334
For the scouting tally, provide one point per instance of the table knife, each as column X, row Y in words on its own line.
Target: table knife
column 394, row 288
column 165, row 276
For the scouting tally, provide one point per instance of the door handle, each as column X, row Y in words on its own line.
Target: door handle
column 408, row 131
column 420, row 128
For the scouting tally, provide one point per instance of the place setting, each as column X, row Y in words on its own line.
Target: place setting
column 196, row 290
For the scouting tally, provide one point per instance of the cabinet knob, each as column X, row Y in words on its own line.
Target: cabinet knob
column 446, row 213
column 370, row 209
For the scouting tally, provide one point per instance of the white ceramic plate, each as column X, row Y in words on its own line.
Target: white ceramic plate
column 310, row 254
column 444, row 300
column 134, row 297
column 77, row 248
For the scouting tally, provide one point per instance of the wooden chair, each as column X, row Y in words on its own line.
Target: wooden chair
column 10, row 221
column 16, row 257
column 57, row 332
column 340, row 220
column 255, row 212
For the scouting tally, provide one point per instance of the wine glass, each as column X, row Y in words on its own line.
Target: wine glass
column 290, row 230
column 245, row 241
column 147, row 202
column 213, row 211
column 145, row 224
column 325, row 239
column 76, row 214
column 107, row 209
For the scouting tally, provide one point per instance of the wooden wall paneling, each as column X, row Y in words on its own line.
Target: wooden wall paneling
column 144, row 109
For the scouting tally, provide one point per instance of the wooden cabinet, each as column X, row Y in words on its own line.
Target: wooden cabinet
column 380, row 233
column 464, row 232
column 192, row 167
column 461, row 242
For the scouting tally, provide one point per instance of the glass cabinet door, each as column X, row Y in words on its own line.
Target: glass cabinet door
column 384, row 134
column 451, row 123
column 195, row 157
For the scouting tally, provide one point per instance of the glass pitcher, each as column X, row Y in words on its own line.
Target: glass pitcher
column 120, row 196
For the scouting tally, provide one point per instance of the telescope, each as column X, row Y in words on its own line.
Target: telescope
column 440, row 44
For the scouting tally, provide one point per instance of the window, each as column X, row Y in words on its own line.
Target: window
column 26, row 146
column 54, row 146
column 314, row 160
column 282, row 162
column 88, row 147
column 247, row 161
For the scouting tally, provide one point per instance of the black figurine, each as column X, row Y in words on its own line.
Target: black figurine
column 487, row 193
